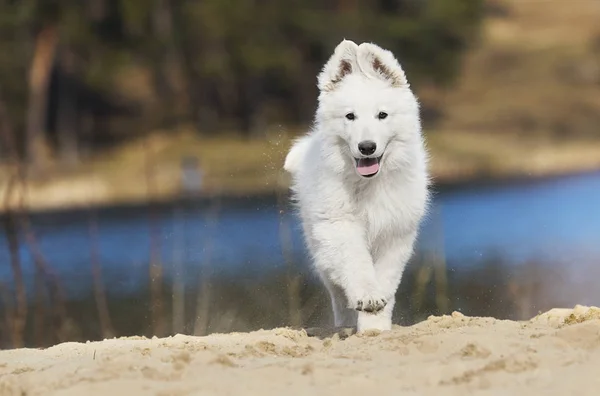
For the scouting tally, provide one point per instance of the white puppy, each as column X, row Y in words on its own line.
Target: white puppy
column 360, row 181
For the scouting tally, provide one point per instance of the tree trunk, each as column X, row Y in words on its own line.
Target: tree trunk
column 39, row 78
column 67, row 111
column 169, row 65
column 96, row 9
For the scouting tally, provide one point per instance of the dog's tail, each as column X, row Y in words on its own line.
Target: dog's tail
column 296, row 154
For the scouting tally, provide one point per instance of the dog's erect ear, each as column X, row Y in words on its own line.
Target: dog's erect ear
column 377, row 62
column 341, row 63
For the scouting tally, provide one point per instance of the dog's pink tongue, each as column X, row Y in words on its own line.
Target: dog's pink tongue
column 367, row 166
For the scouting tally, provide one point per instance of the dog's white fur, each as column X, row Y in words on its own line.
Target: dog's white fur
column 360, row 231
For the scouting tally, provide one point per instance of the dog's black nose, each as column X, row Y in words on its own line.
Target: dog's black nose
column 367, row 147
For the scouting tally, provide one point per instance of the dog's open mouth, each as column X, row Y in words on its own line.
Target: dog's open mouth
column 368, row 167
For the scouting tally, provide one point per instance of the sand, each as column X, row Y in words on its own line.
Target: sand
column 557, row 352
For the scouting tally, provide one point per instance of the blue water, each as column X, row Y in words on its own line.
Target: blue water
column 554, row 220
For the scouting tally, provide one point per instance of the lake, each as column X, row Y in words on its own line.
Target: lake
column 554, row 221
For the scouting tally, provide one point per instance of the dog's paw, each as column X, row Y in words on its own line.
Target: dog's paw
column 371, row 304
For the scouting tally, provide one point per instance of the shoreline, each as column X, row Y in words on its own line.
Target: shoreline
column 126, row 176
column 268, row 196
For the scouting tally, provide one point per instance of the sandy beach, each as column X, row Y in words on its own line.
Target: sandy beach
column 556, row 352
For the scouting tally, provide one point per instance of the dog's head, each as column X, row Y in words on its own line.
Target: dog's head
column 367, row 106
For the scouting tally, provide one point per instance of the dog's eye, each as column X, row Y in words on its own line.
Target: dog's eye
column 382, row 115
column 350, row 116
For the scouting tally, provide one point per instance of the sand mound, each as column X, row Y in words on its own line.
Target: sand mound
column 556, row 352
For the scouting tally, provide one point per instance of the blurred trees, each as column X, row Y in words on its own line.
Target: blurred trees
column 76, row 75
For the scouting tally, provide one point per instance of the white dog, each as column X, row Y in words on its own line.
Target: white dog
column 361, row 183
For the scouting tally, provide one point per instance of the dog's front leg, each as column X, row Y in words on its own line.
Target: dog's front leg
column 341, row 255
column 390, row 262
